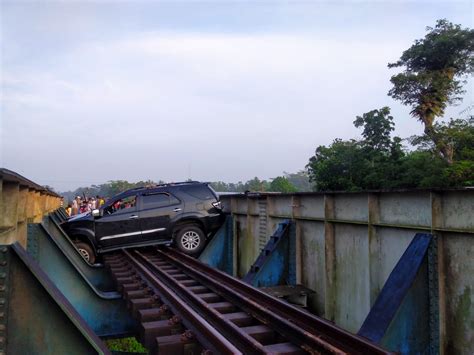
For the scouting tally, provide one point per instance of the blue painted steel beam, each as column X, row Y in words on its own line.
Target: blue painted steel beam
column 37, row 318
column 400, row 317
column 275, row 264
column 97, row 275
column 219, row 252
column 105, row 312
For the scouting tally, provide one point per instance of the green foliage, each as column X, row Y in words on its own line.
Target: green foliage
column 337, row 167
column 421, row 169
column 379, row 162
column 378, row 125
column 109, row 189
column 460, row 173
column 296, row 182
column 434, row 69
column 370, row 163
column 256, row 185
column 300, row 180
column 126, row 345
column 282, row 184
column 459, row 137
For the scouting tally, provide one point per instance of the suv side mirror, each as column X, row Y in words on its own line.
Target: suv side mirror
column 96, row 213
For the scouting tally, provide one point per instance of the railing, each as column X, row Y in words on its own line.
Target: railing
column 347, row 244
column 21, row 202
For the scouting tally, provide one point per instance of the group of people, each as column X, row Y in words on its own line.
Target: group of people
column 81, row 205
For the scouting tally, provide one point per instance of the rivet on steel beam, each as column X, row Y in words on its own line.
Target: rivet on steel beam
column 2, row 301
column 2, row 275
column 2, row 327
column 3, row 263
column 3, row 288
column 2, row 340
column 4, row 250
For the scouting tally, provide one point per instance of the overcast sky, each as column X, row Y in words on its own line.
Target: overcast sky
column 210, row 90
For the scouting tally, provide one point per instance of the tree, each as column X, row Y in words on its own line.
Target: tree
column 256, row 184
column 378, row 125
column 434, row 70
column 422, row 169
column 370, row 163
column 459, row 134
column 300, row 180
column 281, row 184
column 220, row 186
column 341, row 166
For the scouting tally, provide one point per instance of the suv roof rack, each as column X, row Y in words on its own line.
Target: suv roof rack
column 154, row 186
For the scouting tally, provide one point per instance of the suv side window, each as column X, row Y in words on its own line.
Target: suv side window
column 201, row 192
column 126, row 204
column 156, row 200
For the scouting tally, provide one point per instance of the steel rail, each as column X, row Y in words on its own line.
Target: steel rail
column 230, row 330
column 204, row 332
column 313, row 343
column 319, row 333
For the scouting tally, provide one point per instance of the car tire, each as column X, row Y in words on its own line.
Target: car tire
column 86, row 252
column 190, row 239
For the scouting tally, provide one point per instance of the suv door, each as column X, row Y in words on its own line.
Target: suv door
column 157, row 210
column 119, row 224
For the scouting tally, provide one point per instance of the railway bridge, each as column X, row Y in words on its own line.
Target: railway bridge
column 345, row 273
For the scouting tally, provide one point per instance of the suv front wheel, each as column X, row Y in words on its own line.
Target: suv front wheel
column 190, row 239
column 86, row 252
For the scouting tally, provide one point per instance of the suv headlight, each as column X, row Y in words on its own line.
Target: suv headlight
column 217, row 204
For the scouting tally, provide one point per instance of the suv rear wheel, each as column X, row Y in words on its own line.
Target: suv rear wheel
column 86, row 252
column 190, row 239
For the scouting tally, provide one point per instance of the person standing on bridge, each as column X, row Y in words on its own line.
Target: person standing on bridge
column 75, row 205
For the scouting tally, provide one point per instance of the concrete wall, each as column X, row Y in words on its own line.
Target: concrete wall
column 348, row 243
column 21, row 202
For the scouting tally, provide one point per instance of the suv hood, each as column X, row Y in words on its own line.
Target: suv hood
column 79, row 217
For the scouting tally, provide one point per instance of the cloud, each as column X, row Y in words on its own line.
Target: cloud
column 232, row 106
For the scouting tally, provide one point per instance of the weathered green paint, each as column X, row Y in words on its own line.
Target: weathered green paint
column 105, row 312
column 313, row 259
column 409, row 331
column 378, row 227
column 275, row 264
column 40, row 319
column 96, row 275
column 401, row 318
column 219, row 251
column 352, row 293
column 246, row 248
column 460, row 284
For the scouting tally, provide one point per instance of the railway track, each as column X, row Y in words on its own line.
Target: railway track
column 185, row 306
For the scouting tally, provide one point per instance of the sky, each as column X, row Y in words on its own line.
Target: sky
column 93, row 91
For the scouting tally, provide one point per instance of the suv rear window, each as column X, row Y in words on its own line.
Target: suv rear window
column 158, row 200
column 201, row 192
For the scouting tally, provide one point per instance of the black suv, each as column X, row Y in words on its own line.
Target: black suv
column 187, row 213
